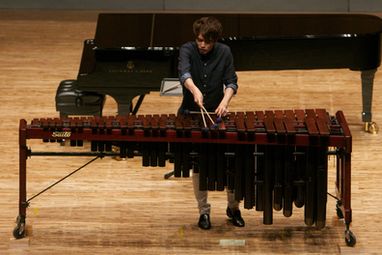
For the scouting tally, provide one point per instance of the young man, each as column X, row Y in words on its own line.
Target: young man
column 208, row 76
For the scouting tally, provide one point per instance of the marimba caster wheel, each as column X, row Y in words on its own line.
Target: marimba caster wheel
column 19, row 230
column 350, row 238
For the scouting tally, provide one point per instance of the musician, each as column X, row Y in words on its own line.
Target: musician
column 208, row 76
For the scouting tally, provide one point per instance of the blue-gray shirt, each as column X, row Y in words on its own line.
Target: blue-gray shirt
column 211, row 73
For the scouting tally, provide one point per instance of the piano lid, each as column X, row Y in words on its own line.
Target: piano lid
column 115, row 30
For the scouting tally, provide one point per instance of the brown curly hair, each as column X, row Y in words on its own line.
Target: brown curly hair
column 209, row 27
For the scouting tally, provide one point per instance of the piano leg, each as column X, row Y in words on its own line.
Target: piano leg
column 124, row 109
column 125, row 104
column 367, row 78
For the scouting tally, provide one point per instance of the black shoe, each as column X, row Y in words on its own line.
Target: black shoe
column 204, row 221
column 235, row 217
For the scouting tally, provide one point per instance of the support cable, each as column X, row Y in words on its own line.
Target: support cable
column 57, row 182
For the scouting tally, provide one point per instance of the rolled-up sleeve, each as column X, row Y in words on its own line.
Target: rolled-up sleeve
column 233, row 86
column 184, row 77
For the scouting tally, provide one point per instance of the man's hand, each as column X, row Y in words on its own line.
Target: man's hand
column 198, row 97
column 222, row 109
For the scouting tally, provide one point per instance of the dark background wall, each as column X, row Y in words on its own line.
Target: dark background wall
column 372, row 6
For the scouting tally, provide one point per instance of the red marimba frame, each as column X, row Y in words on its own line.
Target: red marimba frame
column 271, row 159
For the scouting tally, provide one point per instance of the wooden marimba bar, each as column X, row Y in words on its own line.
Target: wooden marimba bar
column 271, row 159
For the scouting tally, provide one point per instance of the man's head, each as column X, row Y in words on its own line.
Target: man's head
column 207, row 31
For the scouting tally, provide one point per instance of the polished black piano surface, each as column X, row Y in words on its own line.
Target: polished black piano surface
column 132, row 52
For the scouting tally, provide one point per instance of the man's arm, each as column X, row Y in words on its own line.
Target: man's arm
column 198, row 96
column 184, row 69
column 230, row 82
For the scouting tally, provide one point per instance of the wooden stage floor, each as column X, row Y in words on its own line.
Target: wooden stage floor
column 118, row 207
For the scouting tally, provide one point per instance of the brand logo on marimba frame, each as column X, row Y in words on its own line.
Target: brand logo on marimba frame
column 61, row 134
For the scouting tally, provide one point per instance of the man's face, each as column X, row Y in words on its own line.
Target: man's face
column 203, row 46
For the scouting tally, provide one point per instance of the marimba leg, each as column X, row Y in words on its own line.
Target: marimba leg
column 20, row 229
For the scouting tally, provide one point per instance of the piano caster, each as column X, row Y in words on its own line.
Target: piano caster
column 19, row 231
column 371, row 127
column 116, row 149
column 119, row 158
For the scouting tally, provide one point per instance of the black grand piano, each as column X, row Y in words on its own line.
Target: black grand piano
column 132, row 53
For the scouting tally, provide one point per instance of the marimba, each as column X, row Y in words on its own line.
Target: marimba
column 271, row 159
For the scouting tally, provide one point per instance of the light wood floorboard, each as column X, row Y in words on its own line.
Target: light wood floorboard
column 114, row 207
